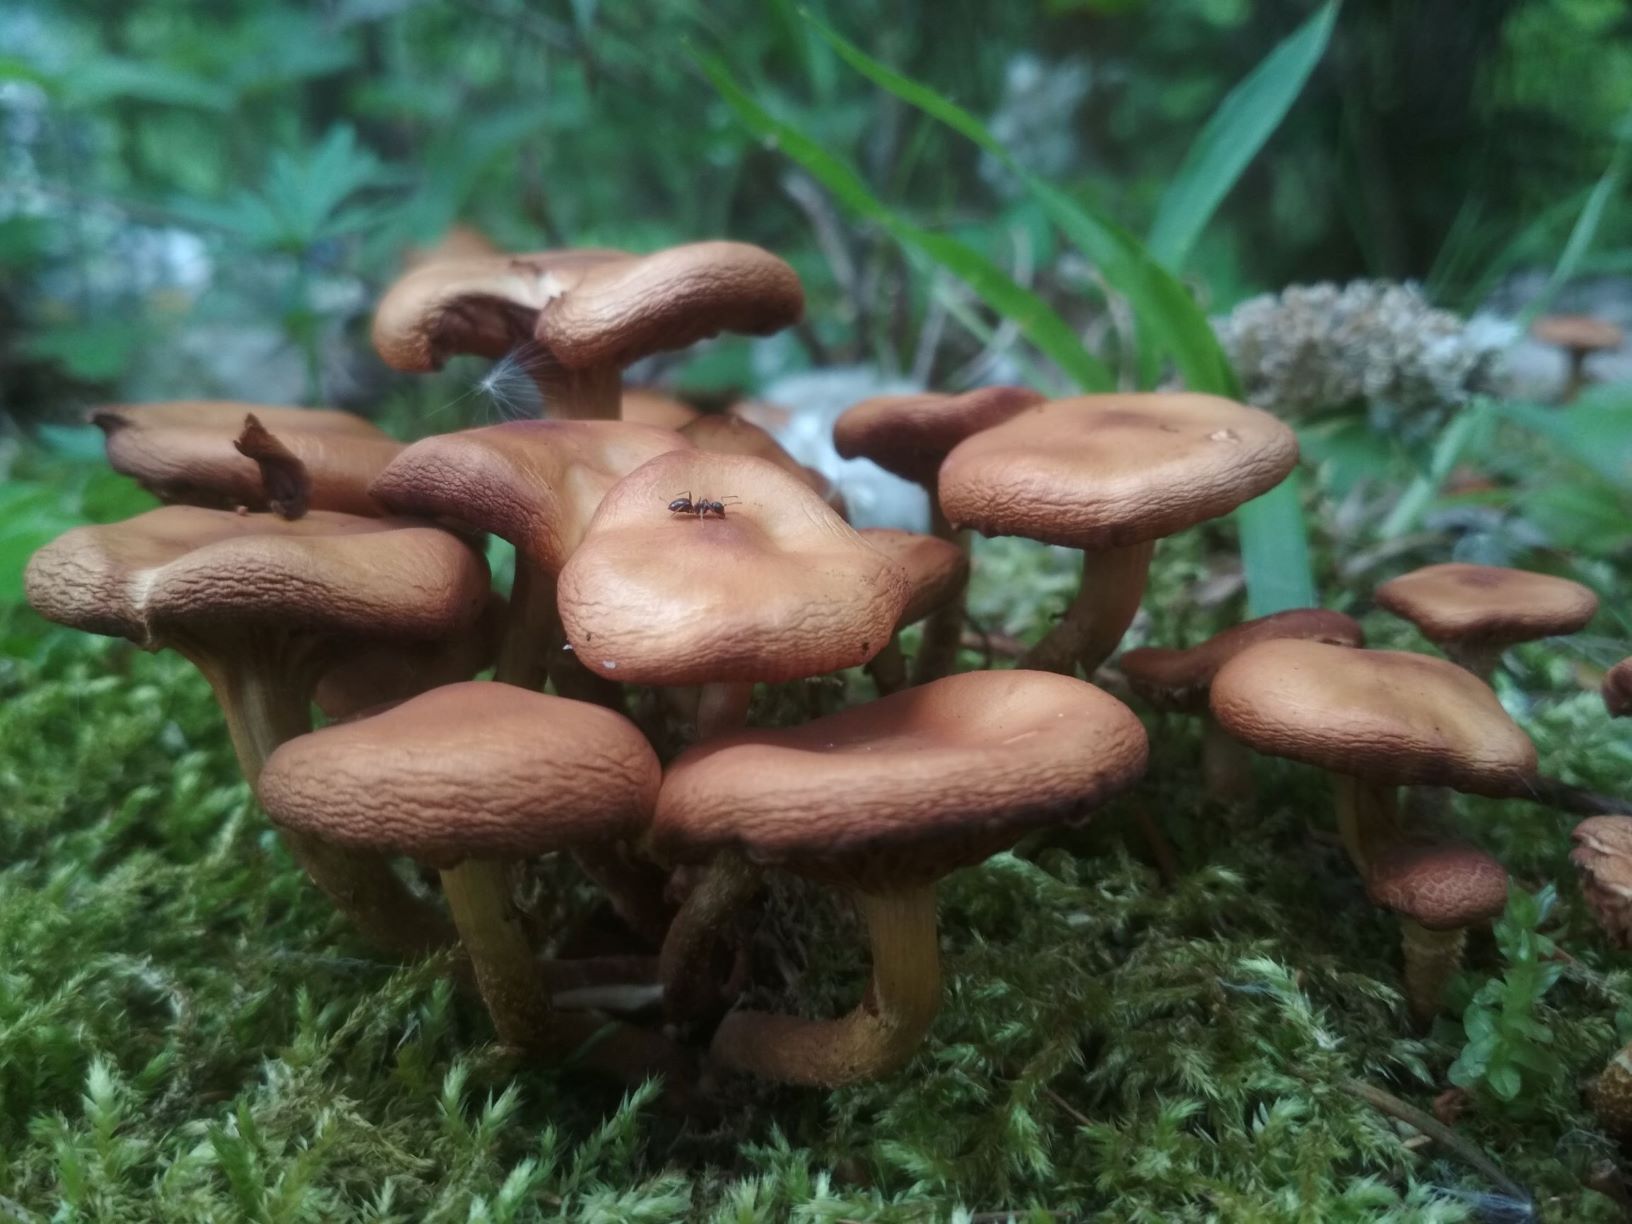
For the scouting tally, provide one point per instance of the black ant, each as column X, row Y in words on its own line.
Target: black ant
column 702, row 507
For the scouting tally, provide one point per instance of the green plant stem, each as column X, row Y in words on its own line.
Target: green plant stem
column 943, row 628
column 1367, row 817
column 880, row 1035
column 1113, row 583
column 687, row 965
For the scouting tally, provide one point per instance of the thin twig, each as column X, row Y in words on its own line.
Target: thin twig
column 1077, row 1116
column 1577, row 800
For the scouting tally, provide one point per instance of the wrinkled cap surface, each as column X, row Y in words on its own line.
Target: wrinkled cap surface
column 1385, row 715
column 909, row 787
column 1106, row 471
column 184, row 570
column 475, row 770
column 1173, row 679
column 183, row 452
column 777, row 589
column 642, row 406
column 1442, row 887
column 1487, row 603
column 534, row 483
column 1577, row 332
column 584, row 308
column 1603, row 856
column 910, row 435
column 937, row 569
column 1617, row 689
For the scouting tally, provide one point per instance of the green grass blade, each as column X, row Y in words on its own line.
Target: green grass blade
column 1275, row 550
column 1244, row 121
column 1586, row 225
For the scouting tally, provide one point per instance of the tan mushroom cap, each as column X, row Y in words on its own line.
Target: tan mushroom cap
column 1617, row 689
column 1580, row 332
column 643, row 406
column 910, row 435
column 196, row 572
column 1487, row 604
column 1173, row 679
column 457, row 242
column 474, row 770
column 584, row 308
column 1105, row 471
column 937, row 569
column 1385, row 715
column 1443, row 887
column 778, row 589
column 909, row 787
column 1603, row 856
column 534, row 483
column 183, row 452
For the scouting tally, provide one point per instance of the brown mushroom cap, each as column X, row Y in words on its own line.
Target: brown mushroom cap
column 907, row 788
column 1386, row 715
column 183, row 452
column 1443, row 887
column 778, row 589
column 1105, row 471
column 473, row 770
column 1617, row 689
column 1172, row 679
column 724, row 434
column 534, row 483
column 457, row 242
column 196, row 572
column 1487, row 604
column 1603, row 856
column 1580, row 332
column 937, row 569
column 910, row 435
column 643, row 406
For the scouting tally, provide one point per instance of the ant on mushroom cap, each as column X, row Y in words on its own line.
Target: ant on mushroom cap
column 702, row 507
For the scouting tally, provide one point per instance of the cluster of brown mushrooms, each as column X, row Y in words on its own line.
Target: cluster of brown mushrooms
column 667, row 563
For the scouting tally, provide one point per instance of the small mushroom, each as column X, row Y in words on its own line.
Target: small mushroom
column 1609, row 1096
column 1617, row 689
column 937, row 571
column 1603, row 857
column 910, row 436
column 1375, row 720
column 1475, row 612
column 579, row 317
column 883, row 800
column 1439, row 891
column 1179, row 681
column 1111, row 475
column 1580, row 336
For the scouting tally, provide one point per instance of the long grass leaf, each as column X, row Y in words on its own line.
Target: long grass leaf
column 1586, row 225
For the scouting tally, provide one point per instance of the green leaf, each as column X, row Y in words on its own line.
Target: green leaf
column 1607, row 188
column 105, row 79
column 1596, row 430
column 1240, row 126
column 95, row 352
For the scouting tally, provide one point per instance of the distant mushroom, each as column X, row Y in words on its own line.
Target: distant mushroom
column 937, row 571
column 1439, row 891
column 643, row 406
column 1603, row 857
column 1111, row 475
column 1375, row 720
column 882, row 800
column 263, row 607
column 576, row 318
column 1580, row 336
column 1617, row 689
column 1179, row 681
column 910, row 436
column 1475, row 612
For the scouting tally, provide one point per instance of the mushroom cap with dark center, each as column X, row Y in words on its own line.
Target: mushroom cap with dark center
column 777, row 589
column 910, row 435
column 643, row 406
column 1106, row 471
column 1580, row 332
column 1174, row 679
column 534, row 483
column 1487, row 604
column 1443, row 887
column 723, row 434
column 910, row 787
column 474, row 770
column 1603, row 856
column 1617, row 689
column 192, row 572
column 937, row 569
column 1385, row 715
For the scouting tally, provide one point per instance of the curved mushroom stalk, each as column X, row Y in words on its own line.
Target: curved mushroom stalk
column 1431, row 957
column 1226, row 764
column 883, row 1031
column 1113, row 583
column 692, row 983
column 943, row 628
column 1367, row 818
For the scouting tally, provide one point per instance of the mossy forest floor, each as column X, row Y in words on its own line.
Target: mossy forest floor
column 188, row 1034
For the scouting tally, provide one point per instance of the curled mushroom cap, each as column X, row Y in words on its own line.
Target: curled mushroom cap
column 183, row 452
column 1487, row 604
column 1579, row 332
column 473, row 770
column 1106, row 471
column 643, row 406
column 1603, row 856
column 937, row 569
column 778, row 588
column 534, row 483
column 1443, row 887
column 1385, row 715
column 1173, row 679
column 190, row 572
column 910, row 435
column 910, row 787
column 1617, row 689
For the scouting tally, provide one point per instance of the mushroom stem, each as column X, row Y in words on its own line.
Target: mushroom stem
column 943, row 628
column 1226, row 764
column 722, row 707
column 635, row 889
column 691, row 980
column 1113, row 583
column 1480, row 658
column 531, row 630
column 1431, row 957
column 479, row 895
column 264, row 706
column 889, row 668
column 1367, row 817
column 882, row 1032
column 595, row 394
